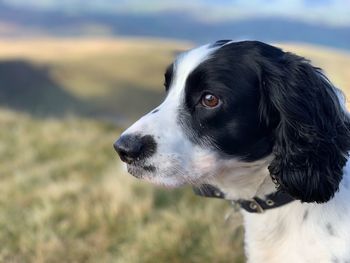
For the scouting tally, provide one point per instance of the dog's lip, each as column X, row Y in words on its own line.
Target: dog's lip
column 138, row 169
column 148, row 173
column 147, row 167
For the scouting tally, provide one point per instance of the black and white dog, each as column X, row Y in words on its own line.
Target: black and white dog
column 262, row 127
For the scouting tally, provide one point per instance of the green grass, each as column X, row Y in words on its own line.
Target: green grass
column 64, row 196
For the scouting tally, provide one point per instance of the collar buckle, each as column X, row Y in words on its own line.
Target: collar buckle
column 252, row 205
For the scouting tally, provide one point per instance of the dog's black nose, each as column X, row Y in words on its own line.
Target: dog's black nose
column 134, row 147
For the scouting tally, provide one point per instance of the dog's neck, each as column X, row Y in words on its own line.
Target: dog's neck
column 296, row 232
column 300, row 232
column 238, row 180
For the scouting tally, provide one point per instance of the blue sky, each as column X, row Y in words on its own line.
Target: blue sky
column 319, row 11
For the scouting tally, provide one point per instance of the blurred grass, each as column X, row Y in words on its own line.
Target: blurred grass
column 64, row 197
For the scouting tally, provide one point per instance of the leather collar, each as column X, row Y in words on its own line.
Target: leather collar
column 254, row 205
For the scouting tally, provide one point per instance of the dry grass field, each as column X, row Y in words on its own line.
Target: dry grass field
column 64, row 196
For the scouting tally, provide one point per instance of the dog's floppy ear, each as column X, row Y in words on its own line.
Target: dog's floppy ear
column 311, row 127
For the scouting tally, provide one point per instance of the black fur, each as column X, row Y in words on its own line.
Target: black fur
column 312, row 135
column 234, row 129
column 273, row 103
column 168, row 75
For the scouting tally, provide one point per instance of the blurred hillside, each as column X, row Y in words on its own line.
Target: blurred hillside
column 118, row 80
column 111, row 79
column 64, row 197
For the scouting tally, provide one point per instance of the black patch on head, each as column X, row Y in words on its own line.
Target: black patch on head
column 273, row 102
column 168, row 76
column 233, row 129
column 155, row 111
column 330, row 229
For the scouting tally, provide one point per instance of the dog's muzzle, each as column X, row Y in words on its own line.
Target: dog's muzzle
column 135, row 148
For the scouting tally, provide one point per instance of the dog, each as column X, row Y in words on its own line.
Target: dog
column 253, row 124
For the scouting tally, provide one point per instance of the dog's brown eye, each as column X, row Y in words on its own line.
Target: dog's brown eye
column 210, row 100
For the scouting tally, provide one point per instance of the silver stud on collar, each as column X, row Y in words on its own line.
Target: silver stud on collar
column 269, row 202
column 217, row 193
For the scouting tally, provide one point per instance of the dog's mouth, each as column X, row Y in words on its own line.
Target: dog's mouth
column 155, row 176
column 141, row 170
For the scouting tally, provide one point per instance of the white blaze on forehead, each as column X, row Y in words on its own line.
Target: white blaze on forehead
column 163, row 122
column 185, row 64
column 168, row 110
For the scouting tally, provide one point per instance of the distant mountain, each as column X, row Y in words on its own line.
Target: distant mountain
column 171, row 24
column 320, row 11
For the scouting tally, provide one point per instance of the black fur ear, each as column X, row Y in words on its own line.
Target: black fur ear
column 312, row 137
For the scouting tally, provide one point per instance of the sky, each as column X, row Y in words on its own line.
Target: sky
column 335, row 12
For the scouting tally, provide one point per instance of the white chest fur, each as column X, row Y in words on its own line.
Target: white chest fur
column 301, row 232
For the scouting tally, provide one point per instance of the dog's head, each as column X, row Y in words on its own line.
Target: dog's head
column 238, row 103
